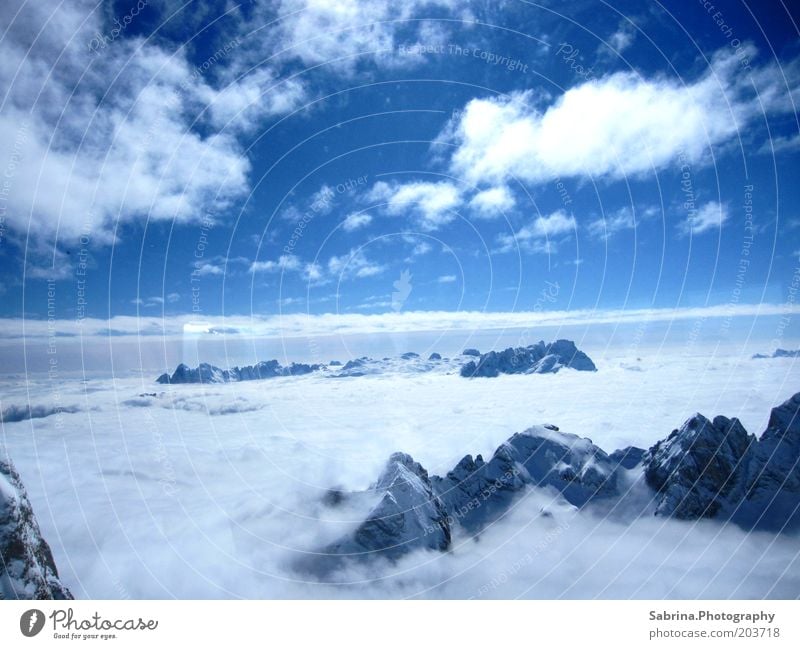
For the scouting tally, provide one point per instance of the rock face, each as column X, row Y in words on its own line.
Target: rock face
column 780, row 353
column 704, row 469
column 470, row 352
column 435, row 357
column 715, row 469
column 206, row 373
column 476, row 492
column 534, row 359
column 698, row 468
column 409, row 516
column 27, row 569
column 419, row 512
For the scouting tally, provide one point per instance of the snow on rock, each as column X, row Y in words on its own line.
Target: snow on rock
column 27, row 569
column 697, row 467
column 408, row 517
column 540, row 358
column 704, row 469
column 780, row 353
column 206, row 373
column 476, row 492
column 628, row 457
column 715, row 469
column 419, row 512
column 773, row 480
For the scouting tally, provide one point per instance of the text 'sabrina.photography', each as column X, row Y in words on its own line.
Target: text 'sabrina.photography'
column 380, row 300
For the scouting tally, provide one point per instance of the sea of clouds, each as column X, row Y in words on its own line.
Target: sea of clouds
column 219, row 490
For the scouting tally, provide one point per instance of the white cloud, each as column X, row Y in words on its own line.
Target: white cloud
column 434, row 204
column 313, row 273
column 422, row 248
column 353, row 264
column 616, row 126
column 205, row 270
column 282, row 264
column 618, row 221
column 355, row 221
column 781, row 144
column 446, row 279
column 342, row 33
column 538, row 235
column 127, row 132
column 156, row 300
column 619, row 41
column 492, row 202
column 244, row 103
column 710, row 216
column 303, row 325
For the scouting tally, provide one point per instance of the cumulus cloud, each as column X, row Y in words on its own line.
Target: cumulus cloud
column 343, row 33
column 353, row 265
column 711, row 216
column 355, row 221
column 205, row 270
column 492, row 202
column 618, row 42
column 104, row 136
column 538, row 236
column 618, row 221
column 282, row 264
column 432, row 203
column 618, row 125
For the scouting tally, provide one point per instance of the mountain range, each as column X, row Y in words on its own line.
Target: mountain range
column 540, row 358
column 706, row 469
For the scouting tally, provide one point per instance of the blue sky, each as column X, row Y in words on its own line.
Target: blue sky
column 187, row 161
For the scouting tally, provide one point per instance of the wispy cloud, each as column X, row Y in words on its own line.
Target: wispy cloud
column 493, row 202
column 356, row 221
column 353, row 264
column 711, row 216
column 619, row 220
column 538, row 236
column 303, row 325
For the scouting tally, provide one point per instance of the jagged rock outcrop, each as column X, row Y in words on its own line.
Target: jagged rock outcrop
column 356, row 367
column 470, row 351
column 698, row 468
column 704, row 469
column 27, row 569
column 408, row 517
column 627, row 457
column 772, row 498
column 476, row 492
column 534, row 359
column 419, row 512
column 716, row 470
column 206, row 373
column 780, row 353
